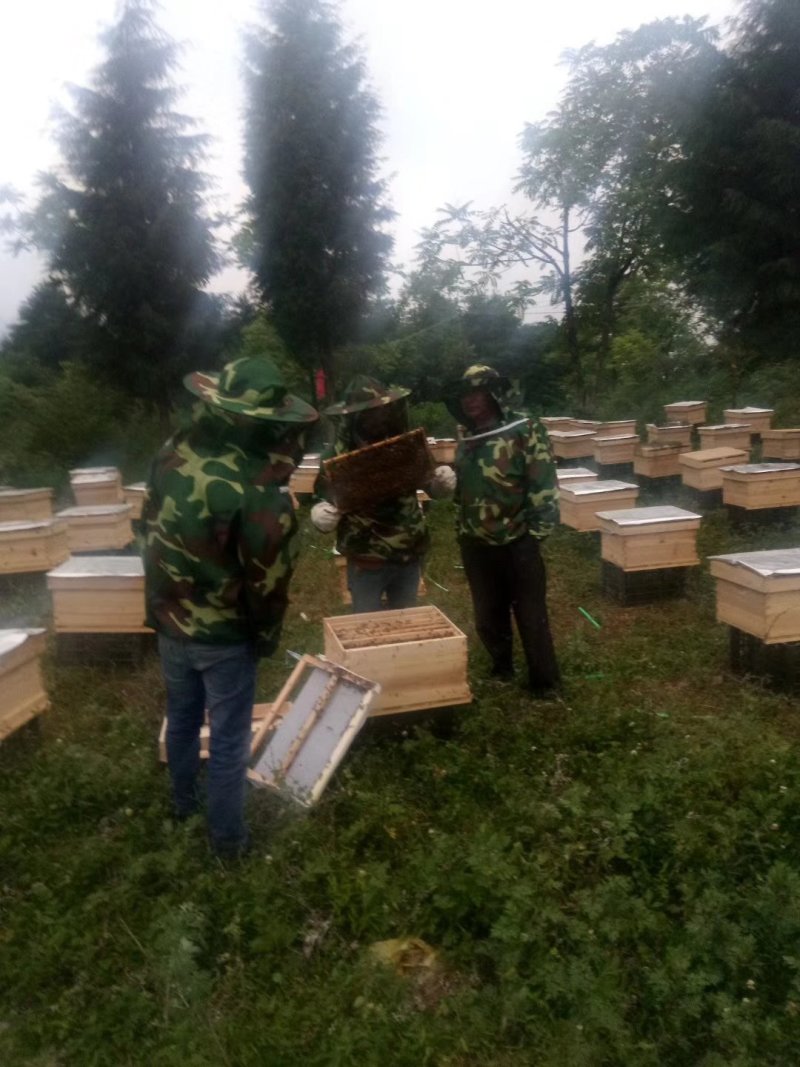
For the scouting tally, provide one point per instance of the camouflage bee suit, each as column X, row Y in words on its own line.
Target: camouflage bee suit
column 507, row 503
column 220, row 546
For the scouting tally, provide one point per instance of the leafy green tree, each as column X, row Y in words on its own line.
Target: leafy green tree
column 314, row 235
column 49, row 331
column 123, row 221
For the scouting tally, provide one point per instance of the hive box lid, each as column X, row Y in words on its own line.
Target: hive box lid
column 575, row 474
column 671, row 427
column 711, row 457
column 13, row 494
column 36, row 524
column 686, row 404
column 726, row 426
column 768, row 563
column 99, row 567
column 750, row 411
column 646, row 516
column 94, row 511
column 13, row 639
column 761, row 468
column 135, row 487
column 563, row 435
column 93, row 470
column 599, row 486
column 94, row 478
column 601, row 441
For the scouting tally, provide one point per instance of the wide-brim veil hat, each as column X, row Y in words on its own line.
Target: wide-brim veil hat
column 252, row 387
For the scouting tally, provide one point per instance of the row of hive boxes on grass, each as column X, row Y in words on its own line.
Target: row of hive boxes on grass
column 759, row 593
column 22, row 692
column 652, row 538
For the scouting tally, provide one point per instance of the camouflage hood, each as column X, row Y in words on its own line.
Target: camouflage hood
column 251, row 387
column 478, row 376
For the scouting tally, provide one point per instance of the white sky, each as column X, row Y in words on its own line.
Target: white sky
column 457, row 81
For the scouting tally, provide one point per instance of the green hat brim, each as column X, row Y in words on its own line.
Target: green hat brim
column 388, row 397
column 206, row 386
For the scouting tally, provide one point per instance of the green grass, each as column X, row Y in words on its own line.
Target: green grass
column 609, row 880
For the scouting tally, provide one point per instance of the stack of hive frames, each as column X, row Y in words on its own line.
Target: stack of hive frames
column 98, row 528
column 388, row 469
column 22, row 692
column 29, row 547
column 579, row 503
column 25, row 505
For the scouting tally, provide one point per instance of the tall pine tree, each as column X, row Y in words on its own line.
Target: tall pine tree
column 123, row 219
column 316, row 210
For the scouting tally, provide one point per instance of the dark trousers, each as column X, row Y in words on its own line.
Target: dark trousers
column 506, row 579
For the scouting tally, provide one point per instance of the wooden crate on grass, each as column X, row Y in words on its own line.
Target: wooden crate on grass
column 579, row 503
column 27, row 547
column 572, row 444
column 691, row 411
column 758, row 419
column 761, row 485
column 97, row 528
column 98, row 594
column 417, row 654
column 92, row 486
column 780, row 444
column 387, row 469
column 759, row 593
column 570, row 475
column 647, row 539
column 702, row 470
column 620, row 428
column 25, row 505
column 658, row 461
column 678, row 433
column 617, row 449
column 22, row 692
column 443, row 449
column 304, row 476
column 261, row 713
column 731, row 435
column 134, row 495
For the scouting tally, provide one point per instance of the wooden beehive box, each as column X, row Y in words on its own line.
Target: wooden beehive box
column 304, row 476
column 620, row 428
column 25, row 505
column 761, row 485
column 572, row 444
column 22, row 692
column 97, row 528
column 98, row 594
column 579, row 503
column 658, row 461
column 617, row 449
column 732, row 435
column 557, row 422
column 134, row 495
column 27, row 547
column 647, row 539
column 261, row 712
column 93, row 486
column 679, row 433
column 592, row 425
column 759, row 592
column 571, row 475
column 692, row 411
column 780, row 444
column 703, row 470
column 758, row 419
column 388, row 469
column 443, row 449
column 417, row 654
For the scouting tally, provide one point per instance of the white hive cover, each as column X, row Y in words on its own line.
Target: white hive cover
column 563, row 434
column 589, row 488
column 94, row 510
column 727, row 426
column 752, row 411
column 93, row 470
column 672, row 426
column 9, row 494
column 643, row 516
column 772, row 561
column 761, row 468
column 93, row 479
column 11, row 639
column 619, row 437
column 686, row 404
column 20, row 525
column 574, row 474
column 99, row 567
column 135, row 487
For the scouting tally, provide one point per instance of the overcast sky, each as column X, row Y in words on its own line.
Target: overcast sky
column 457, row 81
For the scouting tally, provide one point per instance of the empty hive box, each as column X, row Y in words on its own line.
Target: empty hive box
column 658, row 461
column 572, row 444
column 98, row 594
column 646, row 539
column 758, row 419
column 580, row 503
column 780, row 444
column 22, row 692
column 418, row 656
column 753, row 486
column 617, row 449
column 25, row 505
column 759, row 593
column 571, row 475
column 305, row 474
column 381, row 471
column 691, row 411
column 678, row 433
column 732, row 435
column 97, row 528
column 702, row 470
column 620, row 428
column 27, row 547
column 443, row 449
column 95, row 485
column 134, row 495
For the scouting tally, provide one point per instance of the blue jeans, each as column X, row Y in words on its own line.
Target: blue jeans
column 399, row 581
column 222, row 680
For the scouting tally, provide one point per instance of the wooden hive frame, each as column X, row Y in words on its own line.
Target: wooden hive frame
column 580, row 503
column 26, row 505
column 618, row 428
column 617, row 449
column 417, row 654
column 93, row 486
column 780, row 444
column 311, row 725
column 648, row 539
column 572, row 444
column 677, row 433
column 702, row 470
column 692, row 411
column 658, row 461
column 759, row 593
column 387, row 469
column 754, row 486
column 98, row 594
column 30, row 547
column 758, row 419
column 734, row 435
column 98, row 527
column 22, row 692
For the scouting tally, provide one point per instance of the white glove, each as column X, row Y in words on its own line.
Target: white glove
column 325, row 516
column 443, row 482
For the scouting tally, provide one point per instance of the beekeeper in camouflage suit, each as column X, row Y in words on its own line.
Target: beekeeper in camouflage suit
column 384, row 546
column 507, row 501
column 220, row 551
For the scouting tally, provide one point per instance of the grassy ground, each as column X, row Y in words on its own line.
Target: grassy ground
column 609, row 880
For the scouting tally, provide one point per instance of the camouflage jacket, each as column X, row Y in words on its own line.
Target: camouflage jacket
column 220, row 534
column 393, row 531
column 506, row 482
